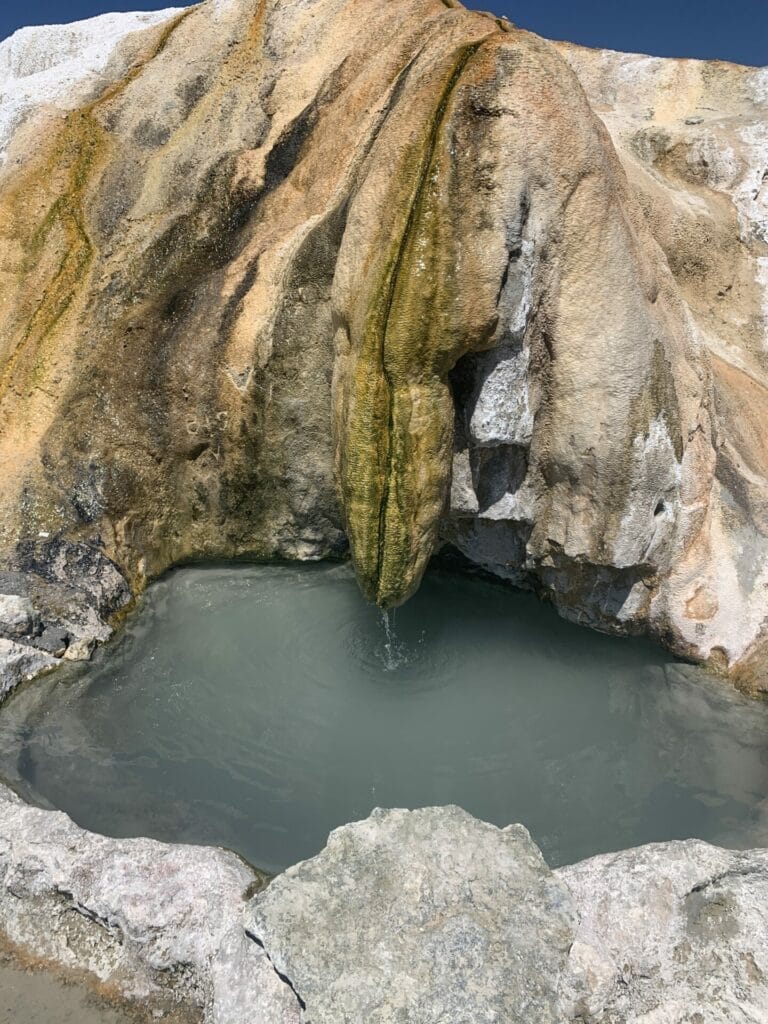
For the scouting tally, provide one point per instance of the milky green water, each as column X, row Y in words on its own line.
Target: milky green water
column 259, row 707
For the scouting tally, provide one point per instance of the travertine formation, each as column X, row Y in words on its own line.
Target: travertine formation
column 282, row 277
column 693, row 141
column 143, row 922
column 414, row 917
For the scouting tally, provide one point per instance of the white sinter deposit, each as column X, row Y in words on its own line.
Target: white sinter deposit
column 408, row 917
column 56, row 64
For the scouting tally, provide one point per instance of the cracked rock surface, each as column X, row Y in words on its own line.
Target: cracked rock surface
column 415, row 917
column 154, row 925
column 671, row 933
column 420, row 916
column 430, row 915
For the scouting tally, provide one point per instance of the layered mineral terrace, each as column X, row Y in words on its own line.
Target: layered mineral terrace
column 291, row 278
column 282, row 279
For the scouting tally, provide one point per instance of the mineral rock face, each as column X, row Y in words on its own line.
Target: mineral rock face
column 418, row 917
column 283, row 277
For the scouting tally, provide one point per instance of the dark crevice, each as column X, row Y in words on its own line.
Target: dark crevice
column 233, row 306
column 515, row 242
column 75, row 906
column 284, row 978
column 546, row 337
column 394, row 95
column 504, row 279
column 729, row 873
column 284, row 155
column 282, row 160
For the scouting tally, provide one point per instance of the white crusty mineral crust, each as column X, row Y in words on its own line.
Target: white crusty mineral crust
column 419, row 917
column 152, row 922
column 653, row 502
column 502, row 414
column 50, row 64
column 762, row 280
column 17, row 616
column 671, row 933
column 19, row 662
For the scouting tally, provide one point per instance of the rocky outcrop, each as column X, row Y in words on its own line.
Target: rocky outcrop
column 156, row 926
column 692, row 137
column 434, row 916
column 40, row 66
column 673, row 932
column 58, row 600
column 431, row 915
column 409, row 916
column 287, row 277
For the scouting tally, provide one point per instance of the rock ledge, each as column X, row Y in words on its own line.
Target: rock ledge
column 415, row 917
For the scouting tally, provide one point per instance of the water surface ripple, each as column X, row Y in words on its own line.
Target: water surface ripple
column 258, row 707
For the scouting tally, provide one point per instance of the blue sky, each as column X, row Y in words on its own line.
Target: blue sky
column 734, row 30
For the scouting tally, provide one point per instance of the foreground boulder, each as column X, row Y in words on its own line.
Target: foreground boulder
column 283, row 279
column 431, row 916
column 145, row 923
column 670, row 933
column 418, row 917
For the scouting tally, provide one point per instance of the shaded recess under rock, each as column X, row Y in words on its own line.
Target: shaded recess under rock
column 284, row 278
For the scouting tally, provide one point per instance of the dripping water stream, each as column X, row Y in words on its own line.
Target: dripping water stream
column 395, row 651
column 259, row 707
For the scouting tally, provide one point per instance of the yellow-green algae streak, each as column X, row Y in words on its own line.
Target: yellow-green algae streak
column 398, row 435
column 71, row 162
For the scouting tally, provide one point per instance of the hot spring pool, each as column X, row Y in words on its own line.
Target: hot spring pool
column 259, row 707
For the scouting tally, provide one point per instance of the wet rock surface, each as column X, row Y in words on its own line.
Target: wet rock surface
column 19, row 662
column 58, row 602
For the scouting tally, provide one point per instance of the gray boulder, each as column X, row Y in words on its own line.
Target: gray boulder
column 433, row 916
column 420, row 916
column 19, row 662
column 57, row 600
column 671, row 933
column 17, row 617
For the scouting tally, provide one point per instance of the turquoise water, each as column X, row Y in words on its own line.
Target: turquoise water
column 259, row 707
